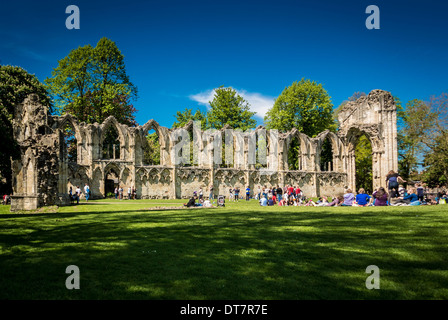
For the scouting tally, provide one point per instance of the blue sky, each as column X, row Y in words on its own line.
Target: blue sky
column 177, row 52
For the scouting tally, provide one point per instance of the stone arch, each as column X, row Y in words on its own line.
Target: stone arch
column 307, row 150
column 336, row 149
column 141, row 142
column 375, row 116
column 107, row 124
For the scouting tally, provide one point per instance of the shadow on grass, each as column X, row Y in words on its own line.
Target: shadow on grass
column 223, row 254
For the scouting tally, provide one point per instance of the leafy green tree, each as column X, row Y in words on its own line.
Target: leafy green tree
column 92, row 84
column 414, row 122
column 151, row 150
column 15, row 85
column 363, row 163
column 435, row 140
column 228, row 107
column 304, row 105
column 183, row 117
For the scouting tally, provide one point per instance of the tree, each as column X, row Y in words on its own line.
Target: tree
column 435, row 140
column 15, row 85
column 363, row 163
column 228, row 107
column 304, row 105
column 92, row 84
column 183, row 117
column 151, row 150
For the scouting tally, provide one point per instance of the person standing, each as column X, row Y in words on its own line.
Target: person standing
column 129, row 193
column 279, row 193
column 211, row 193
column 116, row 193
column 120, row 193
column 78, row 194
column 201, row 194
column 247, row 193
column 237, row 193
column 87, row 191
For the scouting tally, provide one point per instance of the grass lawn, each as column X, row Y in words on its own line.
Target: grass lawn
column 242, row 251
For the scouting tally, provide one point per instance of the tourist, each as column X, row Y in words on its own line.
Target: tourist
column 401, row 190
column 297, row 191
column 70, row 194
column 279, row 193
column 87, row 191
column 6, row 199
column 134, row 193
column 420, row 192
column 310, row 203
column 270, row 201
column 129, row 193
column 323, row 202
column 362, row 199
column 201, row 193
column 237, row 193
column 263, row 201
column 78, row 194
column 334, row 202
column 247, row 193
column 210, row 197
column 191, row 202
column 258, row 193
column 116, row 193
column 291, row 200
column 380, row 197
column 290, row 190
column 411, row 198
column 392, row 180
column 231, row 198
column 274, row 198
column 349, row 197
column 120, row 192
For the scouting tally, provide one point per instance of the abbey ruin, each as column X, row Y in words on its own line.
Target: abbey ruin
column 44, row 173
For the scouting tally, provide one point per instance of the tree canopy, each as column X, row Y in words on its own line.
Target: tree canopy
column 304, row 105
column 228, row 107
column 92, row 84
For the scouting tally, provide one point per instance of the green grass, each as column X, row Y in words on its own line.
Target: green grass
column 242, row 251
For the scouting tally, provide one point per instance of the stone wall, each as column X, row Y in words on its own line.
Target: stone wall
column 43, row 174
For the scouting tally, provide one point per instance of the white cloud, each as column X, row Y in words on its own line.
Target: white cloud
column 259, row 103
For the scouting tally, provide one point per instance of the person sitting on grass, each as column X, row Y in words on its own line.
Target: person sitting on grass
column 263, row 201
column 411, row 198
column 349, row 197
column 270, row 201
column 191, row 202
column 323, row 202
column 362, row 198
column 380, row 197
column 310, row 203
column 333, row 203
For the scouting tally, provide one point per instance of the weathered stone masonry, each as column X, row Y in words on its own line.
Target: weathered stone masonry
column 43, row 175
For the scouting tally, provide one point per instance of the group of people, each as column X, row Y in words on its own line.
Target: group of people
column 119, row 193
column 75, row 196
column 289, row 195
